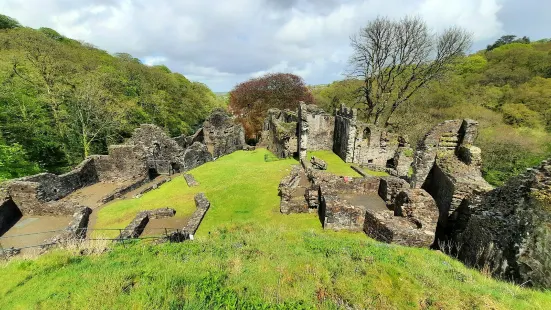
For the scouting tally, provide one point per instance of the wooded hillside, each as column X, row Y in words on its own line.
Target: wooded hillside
column 506, row 88
column 61, row 100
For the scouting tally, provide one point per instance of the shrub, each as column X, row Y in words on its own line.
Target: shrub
column 520, row 115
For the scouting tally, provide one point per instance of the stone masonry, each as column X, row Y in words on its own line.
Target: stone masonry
column 279, row 134
column 447, row 166
column 507, row 231
column 315, row 129
column 223, row 134
column 370, row 146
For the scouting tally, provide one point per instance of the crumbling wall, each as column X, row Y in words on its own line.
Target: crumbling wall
column 315, row 129
column 370, row 146
column 447, row 166
column 124, row 162
column 443, row 136
column 186, row 141
column 222, row 134
column 345, row 133
column 279, row 133
column 335, row 212
column 412, row 223
column 162, row 153
column 195, row 155
column 507, row 231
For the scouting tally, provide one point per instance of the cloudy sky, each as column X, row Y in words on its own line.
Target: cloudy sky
column 224, row 42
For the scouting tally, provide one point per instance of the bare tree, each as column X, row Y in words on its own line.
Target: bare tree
column 397, row 58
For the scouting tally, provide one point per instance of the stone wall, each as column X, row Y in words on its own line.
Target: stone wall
column 203, row 205
column 337, row 213
column 443, row 136
column 412, row 222
column 124, row 162
column 186, row 141
column 447, row 166
column 315, row 129
column 507, row 231
column 345, row 133
column 222, row 134
column 279, row 133
column 39, row 194
column 370, row 146
column 195, row 155
column 162, row 153
column 76, row 230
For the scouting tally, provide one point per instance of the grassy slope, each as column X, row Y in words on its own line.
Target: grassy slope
column 336, row 166
column 247, row 254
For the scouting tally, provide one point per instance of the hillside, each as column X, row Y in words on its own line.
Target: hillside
column 505, row 89
column 62, row 100
column 248, row 255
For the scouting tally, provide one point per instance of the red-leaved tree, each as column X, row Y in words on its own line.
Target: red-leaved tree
column 250, row 100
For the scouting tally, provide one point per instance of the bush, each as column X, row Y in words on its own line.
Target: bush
column 519, row 115
column 14, row 162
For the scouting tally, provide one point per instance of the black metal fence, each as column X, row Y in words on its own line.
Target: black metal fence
column 85, row 234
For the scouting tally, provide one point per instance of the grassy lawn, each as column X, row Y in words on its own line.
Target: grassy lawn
column 241, row 187
column 335, row 164
column 248, row 255
column 375, row 173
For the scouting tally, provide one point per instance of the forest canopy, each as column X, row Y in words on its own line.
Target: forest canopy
column 62, row 100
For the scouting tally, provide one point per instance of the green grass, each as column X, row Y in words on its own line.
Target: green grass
column 248, row 255
column 241, row 187
column 335, row 164
column 375, row 173
column 258, row 266
column 174, row 194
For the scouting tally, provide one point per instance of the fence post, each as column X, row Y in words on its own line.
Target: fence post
column 4, row 254
column 121, row 238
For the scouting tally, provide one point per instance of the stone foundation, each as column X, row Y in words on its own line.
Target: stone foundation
column 203, row 205
column 507, row 231
column 75, row 231
column 190, row 180
column 222, row 134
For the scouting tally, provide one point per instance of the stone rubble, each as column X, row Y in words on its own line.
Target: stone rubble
column 190, row 180
column 318, row 163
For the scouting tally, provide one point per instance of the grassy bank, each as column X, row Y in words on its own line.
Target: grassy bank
column 258, row 267
column 249, row 255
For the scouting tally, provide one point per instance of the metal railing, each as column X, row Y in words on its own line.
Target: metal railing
column 86, row 234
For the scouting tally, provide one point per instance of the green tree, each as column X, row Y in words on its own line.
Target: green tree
column 14, row 162
column 7, row 22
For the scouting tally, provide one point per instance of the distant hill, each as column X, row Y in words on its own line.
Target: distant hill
column 62, row 99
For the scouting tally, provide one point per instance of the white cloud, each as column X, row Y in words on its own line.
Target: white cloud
column 154, row 60
column 221, row 43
